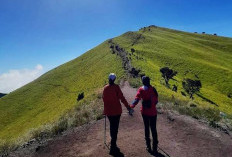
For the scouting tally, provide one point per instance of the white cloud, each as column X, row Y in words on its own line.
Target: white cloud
column 17, row 78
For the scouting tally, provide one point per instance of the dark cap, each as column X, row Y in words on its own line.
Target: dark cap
column 146, row 81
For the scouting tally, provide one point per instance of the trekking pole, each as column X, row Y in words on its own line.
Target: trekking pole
column 105, row 134
column 163, row 151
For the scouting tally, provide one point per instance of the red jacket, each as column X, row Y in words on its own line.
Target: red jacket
column 147, row 94
column 112, row 95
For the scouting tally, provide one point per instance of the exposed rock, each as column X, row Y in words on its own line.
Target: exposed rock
column 170, row 117
column 134, row 72
column 32, row 141
column 37, row 148
column 160, row 110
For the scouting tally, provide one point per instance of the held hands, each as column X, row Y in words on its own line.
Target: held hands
column 130, row 111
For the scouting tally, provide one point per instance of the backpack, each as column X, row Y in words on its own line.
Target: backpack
column 147, row 103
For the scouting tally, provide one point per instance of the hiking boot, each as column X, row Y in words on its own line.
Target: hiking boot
column 148, row 146
column 114, row 151
column 155, row 153
column 149, row 149
column 154, row 150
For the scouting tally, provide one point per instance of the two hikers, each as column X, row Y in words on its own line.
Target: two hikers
column 112, row 95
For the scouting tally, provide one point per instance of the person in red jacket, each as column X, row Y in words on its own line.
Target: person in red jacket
column 149, row 97
column 112, row 95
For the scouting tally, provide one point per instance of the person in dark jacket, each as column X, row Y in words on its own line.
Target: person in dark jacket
column 149, row 97
column 112, row 95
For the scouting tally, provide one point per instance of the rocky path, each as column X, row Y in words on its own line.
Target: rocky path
column 181, row 136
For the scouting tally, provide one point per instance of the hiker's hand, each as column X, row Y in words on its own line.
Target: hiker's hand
column 132, row 106
column 131, row 111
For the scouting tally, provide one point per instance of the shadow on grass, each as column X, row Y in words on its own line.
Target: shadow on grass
column 206, row 99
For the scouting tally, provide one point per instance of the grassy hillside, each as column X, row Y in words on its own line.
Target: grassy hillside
column 206, row 57
column 44, row 100
column 196, row 56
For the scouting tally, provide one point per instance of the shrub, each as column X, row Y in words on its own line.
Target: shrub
column 191, row 86
column 132, row 50
column 60, row 126
column 174, row 88
column 5, row 147
column 135, row 82
column 229, row 95
column 167, row 74
column 80, row 96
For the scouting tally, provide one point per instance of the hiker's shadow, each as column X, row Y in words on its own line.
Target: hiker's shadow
column 120, row 154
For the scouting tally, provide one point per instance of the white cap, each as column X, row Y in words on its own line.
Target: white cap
column 112, row 76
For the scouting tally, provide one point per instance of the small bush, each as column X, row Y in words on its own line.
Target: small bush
column 132, row 50
column 80, row 96
column 99, row 116
column 208, row 113
column 191, row 86
column 5, row 147
column 36, row 133
column 174, row 88
column 60, row 126
column 135, row 82
column 167, row 74
column 229, row 95
column 213, row 124
column 192, row 104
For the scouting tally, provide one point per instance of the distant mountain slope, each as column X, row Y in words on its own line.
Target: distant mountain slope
column 50, row 96
column 2, row 95
column 204, row 57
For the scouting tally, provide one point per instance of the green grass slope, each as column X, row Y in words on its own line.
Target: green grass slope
column 51, row 96
column 192, row 55
column 44, row 100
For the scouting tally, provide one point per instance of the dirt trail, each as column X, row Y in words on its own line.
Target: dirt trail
column 183, row 137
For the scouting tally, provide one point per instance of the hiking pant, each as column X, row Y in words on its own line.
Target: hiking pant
column 114, row 124
column 150, row 122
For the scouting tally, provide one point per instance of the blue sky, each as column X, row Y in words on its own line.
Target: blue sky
column 47, row 33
